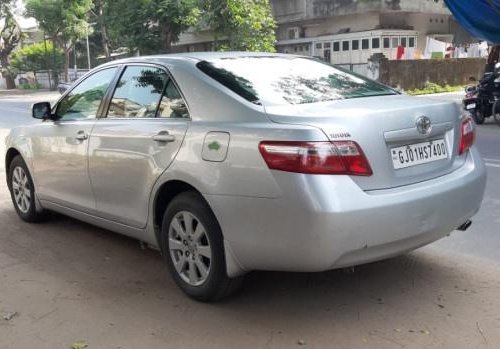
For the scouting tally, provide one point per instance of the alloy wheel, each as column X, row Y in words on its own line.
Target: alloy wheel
column 189, row 248
column 21, row 189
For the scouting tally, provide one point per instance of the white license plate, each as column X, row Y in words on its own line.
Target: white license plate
column 471, row 106
column 418, row 154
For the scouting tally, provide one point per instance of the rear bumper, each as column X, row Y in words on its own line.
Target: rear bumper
column 327, row 222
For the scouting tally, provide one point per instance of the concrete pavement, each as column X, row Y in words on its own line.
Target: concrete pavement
column 70, row 281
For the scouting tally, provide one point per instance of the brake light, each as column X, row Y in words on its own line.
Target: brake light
column 468, row 135
column 343, row 157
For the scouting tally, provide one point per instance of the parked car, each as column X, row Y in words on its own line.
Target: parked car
column 233, row 162
column 63, row 86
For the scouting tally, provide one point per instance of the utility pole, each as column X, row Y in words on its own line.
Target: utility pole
column 88, row 52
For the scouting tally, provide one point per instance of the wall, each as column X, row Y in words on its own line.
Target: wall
column 413, row 74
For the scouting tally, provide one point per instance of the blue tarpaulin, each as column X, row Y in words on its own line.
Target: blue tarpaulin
column 481, row 18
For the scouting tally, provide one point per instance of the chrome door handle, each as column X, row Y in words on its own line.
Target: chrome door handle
column 163, row 137
column 82, row 135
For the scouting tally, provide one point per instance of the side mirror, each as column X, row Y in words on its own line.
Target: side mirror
column 41, row 111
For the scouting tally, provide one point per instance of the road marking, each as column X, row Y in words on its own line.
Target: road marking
column 16, row 110
column 488, row 164
column 491, row 160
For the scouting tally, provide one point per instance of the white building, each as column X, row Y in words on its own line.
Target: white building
column 351, row 31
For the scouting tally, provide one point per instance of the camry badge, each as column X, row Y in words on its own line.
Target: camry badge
column 424, row 125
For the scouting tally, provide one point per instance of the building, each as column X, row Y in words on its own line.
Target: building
column 351, row 31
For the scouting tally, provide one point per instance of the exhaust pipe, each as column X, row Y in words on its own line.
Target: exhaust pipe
column 465, row 226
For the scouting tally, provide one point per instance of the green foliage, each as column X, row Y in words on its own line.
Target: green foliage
column 64, row 18
column 31, row 86
column 37, row 57
column 431, row 87
column 242, row 25
column 149, row 26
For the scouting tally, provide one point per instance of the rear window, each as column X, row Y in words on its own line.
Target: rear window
column 289, row 80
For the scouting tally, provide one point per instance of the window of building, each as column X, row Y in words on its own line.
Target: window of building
column 327, row 45
column 355, row 45
column 387, row 42
column 295, row 48
column 395, row 42
column 404, row 41
column 319, row 46
column 336, row 46
column 411, row 42
column 375, row 43
column 345, row 45
column 365, row 44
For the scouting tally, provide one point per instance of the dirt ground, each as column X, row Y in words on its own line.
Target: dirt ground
column 69, row 281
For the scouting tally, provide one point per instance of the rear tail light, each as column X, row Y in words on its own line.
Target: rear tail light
column 468, row 135
column 343, row 157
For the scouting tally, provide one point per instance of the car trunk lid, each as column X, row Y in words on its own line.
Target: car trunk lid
column 380, row 125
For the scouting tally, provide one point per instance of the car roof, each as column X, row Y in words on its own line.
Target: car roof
column 197, row 56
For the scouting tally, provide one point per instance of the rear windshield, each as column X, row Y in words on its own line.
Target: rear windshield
column 289, row 80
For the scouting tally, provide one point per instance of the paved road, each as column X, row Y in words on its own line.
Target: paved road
column 69, row 281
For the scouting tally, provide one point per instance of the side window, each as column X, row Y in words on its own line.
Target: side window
column 172, row 105
column 138, row 93
column 84, row 100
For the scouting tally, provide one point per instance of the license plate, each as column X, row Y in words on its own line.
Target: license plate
column 418, row 154
column 471, row 106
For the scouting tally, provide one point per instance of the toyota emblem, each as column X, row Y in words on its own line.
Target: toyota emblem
column 424, row 125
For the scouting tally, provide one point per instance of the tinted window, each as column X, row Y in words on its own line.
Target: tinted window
column 365, row 44
column 375, row 43
column 84, row 100
column 345, row 45
column 288, row 80
column 355, row 45
column 138, row 93
column 172, row 105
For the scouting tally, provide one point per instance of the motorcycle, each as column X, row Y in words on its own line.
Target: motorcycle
column 483, row 101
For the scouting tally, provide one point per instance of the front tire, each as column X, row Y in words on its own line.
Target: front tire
column 22, row 191
column 193, row 248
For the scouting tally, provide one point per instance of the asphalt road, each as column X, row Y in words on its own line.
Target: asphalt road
column 69, row 281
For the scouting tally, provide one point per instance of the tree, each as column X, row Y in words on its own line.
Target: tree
column 10, row 37
column 149, row 26
column 65, row 21
column 98, row 15
column 36, row 57
column 242, row 25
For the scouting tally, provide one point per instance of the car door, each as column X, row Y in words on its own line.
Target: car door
column 60, row 146
column 135, row 143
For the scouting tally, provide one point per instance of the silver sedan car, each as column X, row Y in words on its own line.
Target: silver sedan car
column 233, row 162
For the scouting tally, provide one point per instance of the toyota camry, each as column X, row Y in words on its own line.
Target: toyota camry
column 233, row 162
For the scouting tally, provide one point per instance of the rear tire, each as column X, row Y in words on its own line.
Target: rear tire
column 22, row 191
column 478, row 117
column 193, row 248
